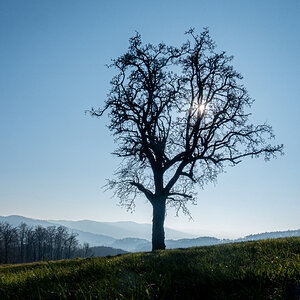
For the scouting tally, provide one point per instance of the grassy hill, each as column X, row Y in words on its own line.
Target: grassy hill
column 267, row 269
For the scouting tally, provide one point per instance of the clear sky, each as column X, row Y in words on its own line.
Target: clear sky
column 54, row 158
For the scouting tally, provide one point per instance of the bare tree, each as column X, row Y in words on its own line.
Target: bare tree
column 22, row 229
column 59, row 240
column 71, row 244
column 29, row 245
column 51, row 231
column 40, row 241
column 86, row 250
column 9, row 236
column 180, row 116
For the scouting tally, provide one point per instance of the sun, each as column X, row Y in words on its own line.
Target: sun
column 201, row 108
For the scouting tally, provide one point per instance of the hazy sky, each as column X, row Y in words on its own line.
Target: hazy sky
column 54, row 158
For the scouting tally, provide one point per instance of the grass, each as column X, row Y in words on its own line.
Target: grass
column 268, row 269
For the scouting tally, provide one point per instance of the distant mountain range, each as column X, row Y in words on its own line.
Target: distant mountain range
column 83, row 236
column 119, row 230
column 101, row 233
column 134, row 237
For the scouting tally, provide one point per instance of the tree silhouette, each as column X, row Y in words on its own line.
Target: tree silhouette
column 179, row 115
column 27, row 244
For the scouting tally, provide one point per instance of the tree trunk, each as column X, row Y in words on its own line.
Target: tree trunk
column 158, row 233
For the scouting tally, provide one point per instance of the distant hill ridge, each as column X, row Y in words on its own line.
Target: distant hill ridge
column 120, row 229
column 135, row 237
column 272, row 235
column 100, row 233
column 89, row 237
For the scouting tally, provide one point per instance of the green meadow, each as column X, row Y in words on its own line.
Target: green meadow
column 267, row 269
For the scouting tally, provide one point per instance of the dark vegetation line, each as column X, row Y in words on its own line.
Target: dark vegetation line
column 28, row 244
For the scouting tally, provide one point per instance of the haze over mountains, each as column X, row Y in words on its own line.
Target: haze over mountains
column 119, row 230
column 134, row 237
column 95, row 233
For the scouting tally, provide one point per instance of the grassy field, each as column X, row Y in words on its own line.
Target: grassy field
column 268, row 269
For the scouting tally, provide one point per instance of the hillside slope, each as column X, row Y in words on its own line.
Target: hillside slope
column 268, row 269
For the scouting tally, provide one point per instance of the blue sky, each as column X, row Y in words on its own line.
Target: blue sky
column 54, row 158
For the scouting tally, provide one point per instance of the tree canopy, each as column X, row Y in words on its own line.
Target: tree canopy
column 180, row 115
